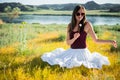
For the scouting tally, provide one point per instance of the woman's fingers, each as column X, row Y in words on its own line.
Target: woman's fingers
column 114, row 43
column 76, row 35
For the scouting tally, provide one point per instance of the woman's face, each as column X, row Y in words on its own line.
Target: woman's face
column 79, row 15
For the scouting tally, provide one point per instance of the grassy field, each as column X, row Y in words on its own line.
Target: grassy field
column 55, row 12
column 21, row 46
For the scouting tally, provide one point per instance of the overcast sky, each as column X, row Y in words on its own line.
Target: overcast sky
column 40, row 2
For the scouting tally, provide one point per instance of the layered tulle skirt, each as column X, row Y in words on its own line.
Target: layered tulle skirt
column 74, row 58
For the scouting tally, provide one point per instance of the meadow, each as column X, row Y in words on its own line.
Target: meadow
column 21, row 46
column 67, row 12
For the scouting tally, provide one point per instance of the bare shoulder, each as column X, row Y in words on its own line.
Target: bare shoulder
column 68, row 27
column 88, row 26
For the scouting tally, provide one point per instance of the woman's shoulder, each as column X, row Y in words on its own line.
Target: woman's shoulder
column 87, row 22
column 88, row 26
column 68, row 27
column 69, row 24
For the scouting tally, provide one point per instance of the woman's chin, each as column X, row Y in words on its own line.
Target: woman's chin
column 79, row 20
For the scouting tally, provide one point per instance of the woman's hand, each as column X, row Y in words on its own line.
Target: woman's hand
column 76, row 35
column 114, row 43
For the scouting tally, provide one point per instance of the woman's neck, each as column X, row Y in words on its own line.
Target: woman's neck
column 77, row 22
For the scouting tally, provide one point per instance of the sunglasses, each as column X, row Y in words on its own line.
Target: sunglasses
column 78, row 14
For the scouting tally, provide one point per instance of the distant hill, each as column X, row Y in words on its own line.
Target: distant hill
column 69, row 6
column 89, row 6
column 19, row 5
column 92, row 5
column 115, row 8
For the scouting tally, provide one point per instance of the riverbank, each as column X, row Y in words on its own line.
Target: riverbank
column 67, row 13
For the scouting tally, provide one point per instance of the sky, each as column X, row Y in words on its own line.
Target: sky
column 40, row 2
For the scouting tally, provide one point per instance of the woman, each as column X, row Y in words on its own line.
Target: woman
column 78, row 54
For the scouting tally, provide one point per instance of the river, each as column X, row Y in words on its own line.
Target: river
column 50, row 19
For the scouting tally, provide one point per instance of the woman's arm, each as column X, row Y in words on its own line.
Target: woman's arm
column 94, row 37
column 71, row 41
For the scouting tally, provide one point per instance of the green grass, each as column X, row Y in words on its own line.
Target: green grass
column 114, row 29
column 43, row 38
column 102, row 13
column 88, row 12
column 55, row 12
column 50, row 12
column 10, row 33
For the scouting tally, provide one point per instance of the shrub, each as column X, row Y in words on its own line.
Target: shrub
column 116, row 28
column 61, row 37
column 97, row 29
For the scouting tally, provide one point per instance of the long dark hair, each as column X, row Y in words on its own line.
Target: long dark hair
column 74, row 21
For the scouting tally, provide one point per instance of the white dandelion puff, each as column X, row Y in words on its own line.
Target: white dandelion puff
column 80, row 25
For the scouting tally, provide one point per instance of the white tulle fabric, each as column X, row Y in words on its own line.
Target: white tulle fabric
column 75, row 57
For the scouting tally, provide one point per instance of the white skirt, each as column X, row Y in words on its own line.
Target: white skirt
column 75, row 57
